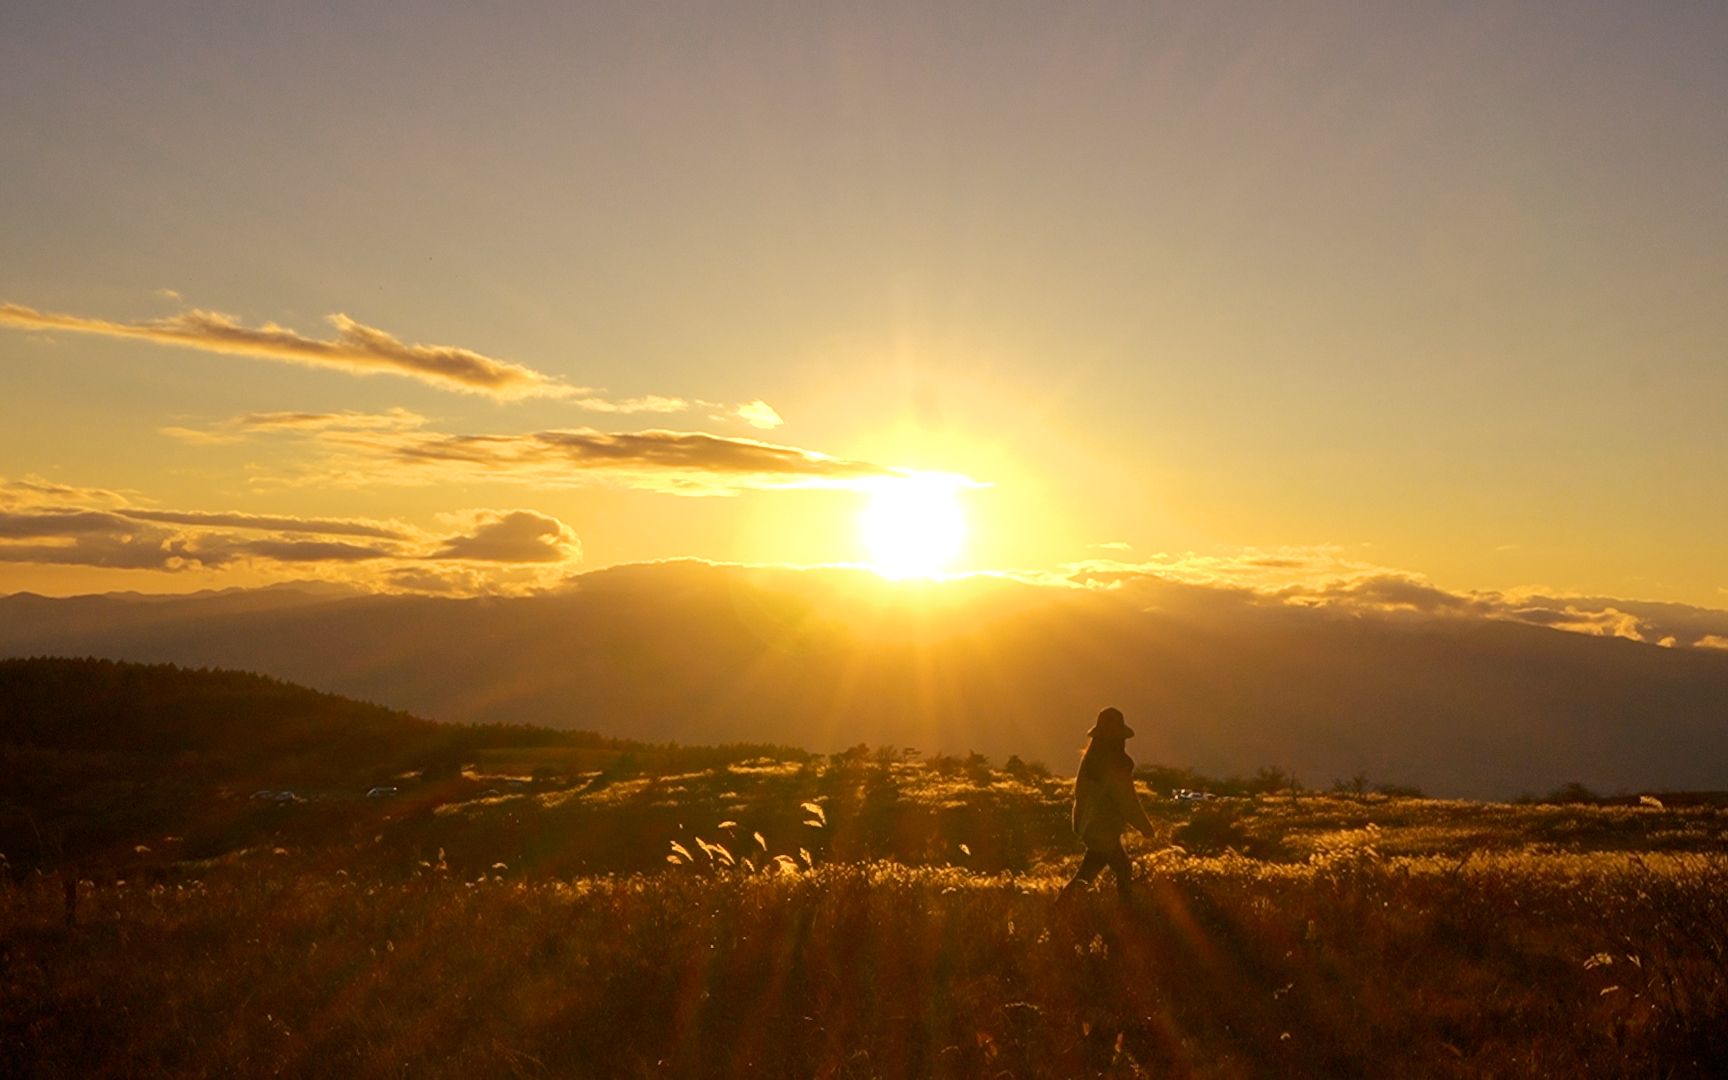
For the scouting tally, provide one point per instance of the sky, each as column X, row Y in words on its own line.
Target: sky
column 473, row 298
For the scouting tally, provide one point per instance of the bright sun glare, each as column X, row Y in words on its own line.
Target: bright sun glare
column 913, row 527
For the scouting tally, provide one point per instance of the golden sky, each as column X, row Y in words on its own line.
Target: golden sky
column 474, row 300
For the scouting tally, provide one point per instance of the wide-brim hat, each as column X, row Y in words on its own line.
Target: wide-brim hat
column 1110, row 725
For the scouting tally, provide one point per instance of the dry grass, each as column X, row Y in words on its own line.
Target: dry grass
column 716, row 912
column 886, row 919
column 1351, row 963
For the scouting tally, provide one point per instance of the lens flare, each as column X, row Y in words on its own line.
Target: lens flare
column 913, row 526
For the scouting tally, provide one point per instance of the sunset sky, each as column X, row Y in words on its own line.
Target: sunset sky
column 461, row 299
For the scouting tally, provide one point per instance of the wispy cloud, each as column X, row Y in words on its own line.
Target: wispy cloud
column 652, row 403
column 676, row 462
column 274, row 523
column 347, row 420
column 248, row 425
column 395, row 447
column 33, row 507
column 35, row 491
column 359, row 349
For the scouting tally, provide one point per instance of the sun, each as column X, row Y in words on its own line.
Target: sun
column 913, row 526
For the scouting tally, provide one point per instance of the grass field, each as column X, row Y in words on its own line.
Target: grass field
column 895, row 918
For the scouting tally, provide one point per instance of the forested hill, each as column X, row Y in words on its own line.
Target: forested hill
column 235, row 723
column 99, row 756
column 166, row 710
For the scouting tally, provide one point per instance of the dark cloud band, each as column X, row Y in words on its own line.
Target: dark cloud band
column 366, row 350
column 683, row 462
column 174, row 540
column 356, row 348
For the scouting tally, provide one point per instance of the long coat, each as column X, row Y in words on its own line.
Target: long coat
column 1106, row 804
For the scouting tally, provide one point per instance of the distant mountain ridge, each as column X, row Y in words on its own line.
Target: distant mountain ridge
column 109, row 707
column 706, row 654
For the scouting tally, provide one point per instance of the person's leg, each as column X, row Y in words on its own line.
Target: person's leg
column 1117, row 859
column 1090, row 867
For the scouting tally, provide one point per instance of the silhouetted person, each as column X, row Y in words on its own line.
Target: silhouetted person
column 1105, row 803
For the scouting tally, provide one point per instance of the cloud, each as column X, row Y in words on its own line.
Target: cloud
column 144, row 539
column 75, row 537
column 677, row 462
column 347, row 420
column 60, row 523
column 151, row 552
column 275, row 523
column 215, row 550
column 1638, row 620
column 652, row 403
column 439, row 580
column 1324, row 578
column 517, row 536
column 1560, row 615
column 1258, row 570
column 758, row 414
column 35, row 491
column 1712, row 641
column 1388, row 592
column 357, row 349
column 52, row 510
column 251, row 425
column 200, row 436
column 460, row 578
column 515, row 549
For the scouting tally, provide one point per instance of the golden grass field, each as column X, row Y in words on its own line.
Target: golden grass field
column 895, row 918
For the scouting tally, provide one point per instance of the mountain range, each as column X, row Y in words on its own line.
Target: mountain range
column 825, row 659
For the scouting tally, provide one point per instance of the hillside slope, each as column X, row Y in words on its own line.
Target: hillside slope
column 98, row 757
column 97, row 705
column 705, row 654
